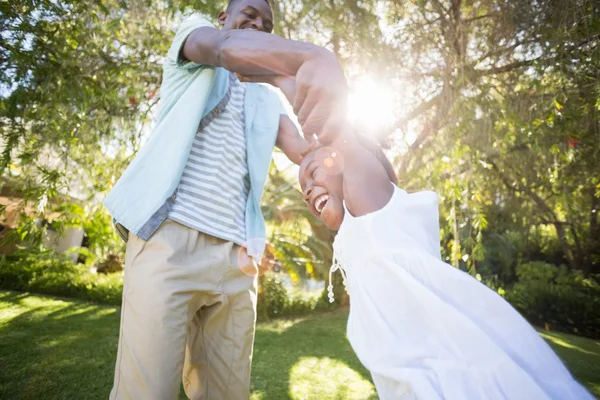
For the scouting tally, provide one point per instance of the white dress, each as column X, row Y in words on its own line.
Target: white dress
column 426, row 330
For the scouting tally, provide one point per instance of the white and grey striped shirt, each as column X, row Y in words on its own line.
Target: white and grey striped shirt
column 212, row 194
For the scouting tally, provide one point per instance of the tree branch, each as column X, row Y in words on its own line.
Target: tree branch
column 510, row 67
column 417, row 111
column 440, row 6
column 536, row 199
column 469, row 20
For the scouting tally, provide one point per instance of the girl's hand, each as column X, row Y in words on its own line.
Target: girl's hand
column 287, row 84
column 312, row 144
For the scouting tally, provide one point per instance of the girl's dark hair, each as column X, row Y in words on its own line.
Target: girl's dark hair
column 377, row 151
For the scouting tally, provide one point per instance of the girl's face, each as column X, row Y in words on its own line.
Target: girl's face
column 321, row 183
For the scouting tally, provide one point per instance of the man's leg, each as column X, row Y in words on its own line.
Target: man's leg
column 157, row 296
column 219, row 348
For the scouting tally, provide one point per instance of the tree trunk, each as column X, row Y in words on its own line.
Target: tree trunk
column 564, row 245
column 455, row 257
column 594, row 238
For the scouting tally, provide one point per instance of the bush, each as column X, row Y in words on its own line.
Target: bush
column 50, row 273
column 501, row 257
column 275, row 301
column 47, row 272
column 557, row 298
column 273, row 297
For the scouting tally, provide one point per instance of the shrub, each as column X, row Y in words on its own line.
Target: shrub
column 300, row 305
column 557, row 298
column 47, row 272
column 273, row 297
column 276, row 301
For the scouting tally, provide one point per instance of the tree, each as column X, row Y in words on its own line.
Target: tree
column 78, row 82
column 497, row 110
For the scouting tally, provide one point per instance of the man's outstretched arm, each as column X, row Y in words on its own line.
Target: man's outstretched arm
column 320, row 83
column 249, row 52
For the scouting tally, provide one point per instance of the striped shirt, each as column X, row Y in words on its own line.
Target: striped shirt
column 212, row 194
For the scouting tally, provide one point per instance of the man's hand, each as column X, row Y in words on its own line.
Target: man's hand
column 289, row 139
column 321, row 97
column 318, row 94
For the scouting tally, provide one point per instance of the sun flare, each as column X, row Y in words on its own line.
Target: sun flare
column 371, row 104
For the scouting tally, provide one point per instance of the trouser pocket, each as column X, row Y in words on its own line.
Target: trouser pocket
column 121, row 231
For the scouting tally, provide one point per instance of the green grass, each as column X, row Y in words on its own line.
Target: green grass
column 62, row 349
column 581, row 355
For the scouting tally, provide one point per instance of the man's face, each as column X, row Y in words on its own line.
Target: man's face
column 248, row 14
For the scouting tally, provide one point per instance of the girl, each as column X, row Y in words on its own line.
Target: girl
column 424, row 329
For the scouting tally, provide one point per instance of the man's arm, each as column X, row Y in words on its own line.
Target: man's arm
column 321, row 92
column 248, row 52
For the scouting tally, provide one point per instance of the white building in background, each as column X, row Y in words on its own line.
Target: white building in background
column 11, row 206
column 71, row 237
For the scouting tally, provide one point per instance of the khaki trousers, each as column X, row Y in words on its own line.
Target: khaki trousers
column 189, row 310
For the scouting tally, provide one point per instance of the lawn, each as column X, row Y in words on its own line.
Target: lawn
column 61, row 349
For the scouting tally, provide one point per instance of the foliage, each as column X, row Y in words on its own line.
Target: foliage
column 497, row 109
column 502, row 253
column 553, row 296
column 102, row 242
column 45, row 272
column 276, row 301
column 507, row 125
column 273, row 298
column 78, row 85
column 50, row 273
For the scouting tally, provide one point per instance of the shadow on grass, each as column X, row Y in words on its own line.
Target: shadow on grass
column 310, row 358
column 581, row 355
column 54, row 349
column 64, row 349
column 563, row 341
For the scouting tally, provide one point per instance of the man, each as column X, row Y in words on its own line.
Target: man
column 189, row 203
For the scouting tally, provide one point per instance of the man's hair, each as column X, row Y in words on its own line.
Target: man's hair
column 232, row 2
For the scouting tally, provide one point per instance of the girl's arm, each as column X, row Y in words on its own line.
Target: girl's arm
column 289, row 138
column 367, row 186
